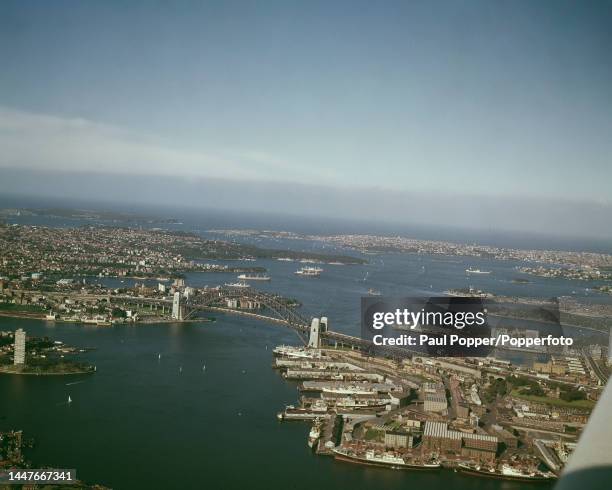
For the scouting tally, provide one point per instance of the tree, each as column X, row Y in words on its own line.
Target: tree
column 118, row 313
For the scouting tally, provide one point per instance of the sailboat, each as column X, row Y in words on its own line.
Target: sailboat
column 159, row 357
column 69, row 399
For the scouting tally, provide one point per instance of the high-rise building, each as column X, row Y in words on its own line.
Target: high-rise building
column 19, row 348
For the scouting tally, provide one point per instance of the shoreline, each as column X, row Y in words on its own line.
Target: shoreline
column 24, row 315
column 3, row 370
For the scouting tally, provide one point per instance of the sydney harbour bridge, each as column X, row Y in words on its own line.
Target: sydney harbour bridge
column 260, row 305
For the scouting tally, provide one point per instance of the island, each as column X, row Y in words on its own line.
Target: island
column 39, row 356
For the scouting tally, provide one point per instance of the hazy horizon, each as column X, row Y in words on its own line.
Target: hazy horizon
column 506, row 221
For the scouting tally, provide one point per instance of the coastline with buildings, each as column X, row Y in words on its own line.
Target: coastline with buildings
column 430, row 413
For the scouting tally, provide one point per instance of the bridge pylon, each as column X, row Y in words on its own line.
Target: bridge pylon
column 178, row 306
column 314, row 340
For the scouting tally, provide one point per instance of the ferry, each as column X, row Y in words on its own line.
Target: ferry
column 239, row 284
column 469, row 270
column 309, row 271
column 385, row 459
column 507, row 472
column 254, row 277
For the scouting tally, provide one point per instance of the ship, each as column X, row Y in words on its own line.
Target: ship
column 469, row 270
column 373, row 292
column 350, row 389
column 386, row 460
column 254, row 277
column 239, row 284
column 507, row 472
column 352, row 403
column 316, row 411
column 309, row 271
column 315, row 433
column 300, row 352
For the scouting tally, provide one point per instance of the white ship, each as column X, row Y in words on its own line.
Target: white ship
column 301, row 352
column 309, row 271
column 254, row 277
column 469, row 270
column 508, row 472
column 240, row 284
column 387, row 458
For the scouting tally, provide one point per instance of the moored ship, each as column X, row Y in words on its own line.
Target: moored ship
column 296, row 352
column 315, row 433
column 386, row 460
column 507, row 472
column 315, row 411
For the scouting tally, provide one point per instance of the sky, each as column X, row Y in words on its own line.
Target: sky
column 470, row 101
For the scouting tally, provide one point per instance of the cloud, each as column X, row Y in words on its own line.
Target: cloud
column 47, row 142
